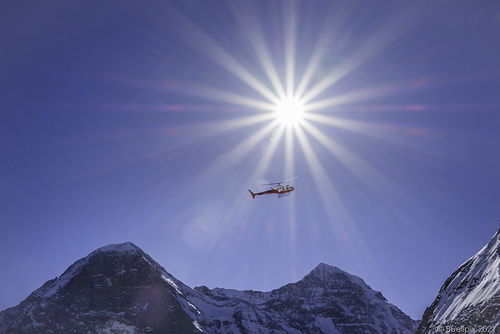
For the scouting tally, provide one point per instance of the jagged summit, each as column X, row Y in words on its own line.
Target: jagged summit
column 120, row 289
column 347, row 299
column 82, row 266
column 327, row 274
column 116, row 288
column 324, row 271
column 126, row 247
column 53, row 286
column 471, row 294
column 326, row 268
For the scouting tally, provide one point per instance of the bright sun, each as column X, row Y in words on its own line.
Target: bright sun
column 289, row 111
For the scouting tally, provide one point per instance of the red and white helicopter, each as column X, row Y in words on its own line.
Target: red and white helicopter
column 279, row 188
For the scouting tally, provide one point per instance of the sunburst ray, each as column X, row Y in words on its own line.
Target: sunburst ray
column 339, row 218
column 207, row 45
column 374, row 179
column 249, row 23
column 290, row 41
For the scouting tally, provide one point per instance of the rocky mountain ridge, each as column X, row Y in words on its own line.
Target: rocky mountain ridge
column 121, row 289
column 469, row 300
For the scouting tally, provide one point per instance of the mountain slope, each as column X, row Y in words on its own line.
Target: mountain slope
column 327, row 300
column 341, row 302
column 120, row 289
column 470, row 297
column 115, row 287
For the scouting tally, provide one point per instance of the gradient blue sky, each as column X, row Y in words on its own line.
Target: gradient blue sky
column 147, row 121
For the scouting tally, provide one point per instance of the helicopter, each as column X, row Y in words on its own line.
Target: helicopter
column 278, row 188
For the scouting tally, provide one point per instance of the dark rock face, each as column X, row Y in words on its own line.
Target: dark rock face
column 330, row 299
column 120, row 289
column 469, row 300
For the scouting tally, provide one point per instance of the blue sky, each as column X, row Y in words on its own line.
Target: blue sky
column 147, row 122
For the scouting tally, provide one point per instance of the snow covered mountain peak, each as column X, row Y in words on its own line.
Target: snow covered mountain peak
column 327, row 275
column 471, row 294
column 126, row 247
column 53, row 286
column 120, row 289
column 473, row 283
column 325, row 270
column 115, row 289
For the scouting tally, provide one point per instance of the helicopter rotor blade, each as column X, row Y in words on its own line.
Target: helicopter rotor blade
column 281, row 182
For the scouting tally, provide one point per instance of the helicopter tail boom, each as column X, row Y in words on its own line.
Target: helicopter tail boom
column 253, row 195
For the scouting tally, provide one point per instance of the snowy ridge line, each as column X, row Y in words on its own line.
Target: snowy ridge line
column 134, row 293
column 471, row 295
column 126, row 247
column 472, row 283
column 53, row 286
